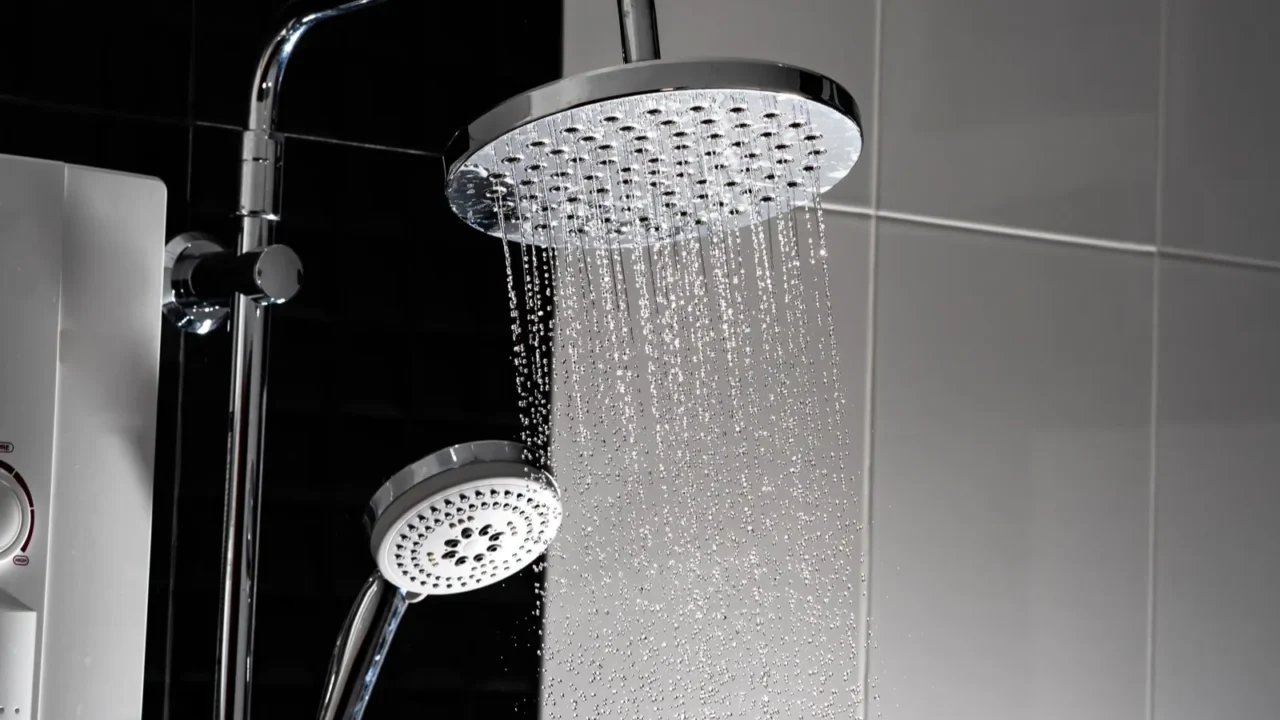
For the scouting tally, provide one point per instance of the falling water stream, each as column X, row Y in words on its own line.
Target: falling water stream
column 671, row 321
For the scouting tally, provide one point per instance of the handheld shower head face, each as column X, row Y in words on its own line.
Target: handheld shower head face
column 655, row 151
column 463, row 518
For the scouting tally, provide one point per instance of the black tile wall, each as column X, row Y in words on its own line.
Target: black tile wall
column 126, row 56
column 397, row 346
column 403, row 73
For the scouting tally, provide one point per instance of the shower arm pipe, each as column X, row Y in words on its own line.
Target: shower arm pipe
column 259, row 210
column 639, row 23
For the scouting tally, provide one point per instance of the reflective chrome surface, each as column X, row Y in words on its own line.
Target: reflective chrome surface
column 639, row 24
column 259, row 209
column 202, row 279
column 481, row 456
column 183, row 305
column 643, row 78
column 647, row 152
column 261, row 160
column 269, row 276
column 361, row 648
column 241, row 502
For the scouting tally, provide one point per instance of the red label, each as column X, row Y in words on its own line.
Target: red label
column 6, row 447
column 21, row 560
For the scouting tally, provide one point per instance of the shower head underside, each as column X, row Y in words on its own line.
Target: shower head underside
column 463, row 518
column 653, row 151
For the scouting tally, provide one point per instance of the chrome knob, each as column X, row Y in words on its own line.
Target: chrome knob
column 202, row 279
column 270, row 276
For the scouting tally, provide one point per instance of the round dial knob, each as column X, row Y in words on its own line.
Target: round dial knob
column 14, row 515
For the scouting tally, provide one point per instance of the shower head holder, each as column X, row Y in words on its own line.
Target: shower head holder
column 202, row 279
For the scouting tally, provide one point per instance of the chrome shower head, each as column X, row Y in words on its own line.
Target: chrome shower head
column 653, row 151
column 462, row 518
column 457, row 520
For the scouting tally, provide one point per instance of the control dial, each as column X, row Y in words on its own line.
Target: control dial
column 15, row 513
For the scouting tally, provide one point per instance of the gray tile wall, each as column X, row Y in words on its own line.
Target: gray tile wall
column 1011, row 472
column 1217, row 560
column 1075, row 372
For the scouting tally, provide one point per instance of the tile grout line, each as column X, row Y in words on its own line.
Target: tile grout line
column 1000, row 230
column 868, row 416
column 358, row 144
column 170, row 608
column 86, row 110
column 1056, row 238
column 1152, row 490
column 1220, row 259
column 331, row 141
column 1153, row 459
column 171, row 121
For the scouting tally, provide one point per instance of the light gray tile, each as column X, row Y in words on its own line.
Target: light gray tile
column 1218, row 494
column 591, row 35
column 1010, row 479
column 1221, row 143
column 834, row 37
column 1035, row 114
column 675, row 595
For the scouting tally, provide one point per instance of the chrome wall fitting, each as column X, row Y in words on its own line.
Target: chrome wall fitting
column 202, row 279
column 182, row 306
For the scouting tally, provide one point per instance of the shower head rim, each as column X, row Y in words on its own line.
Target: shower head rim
column 477, row 459
column 644, row 78
column 467, row 478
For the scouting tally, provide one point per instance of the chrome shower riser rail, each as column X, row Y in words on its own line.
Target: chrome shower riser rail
column 261, row 158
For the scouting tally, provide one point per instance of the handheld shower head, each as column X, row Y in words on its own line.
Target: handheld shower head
column 462, row 518
column 457, row 520
column 653, row 151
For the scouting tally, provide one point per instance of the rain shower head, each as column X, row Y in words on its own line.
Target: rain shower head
column 462, row 518
column 652, row 151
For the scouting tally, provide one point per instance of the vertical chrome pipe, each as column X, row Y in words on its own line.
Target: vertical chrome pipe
column 639, row 22
column 242, row 505
column 361, row 649
column 259, row 210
